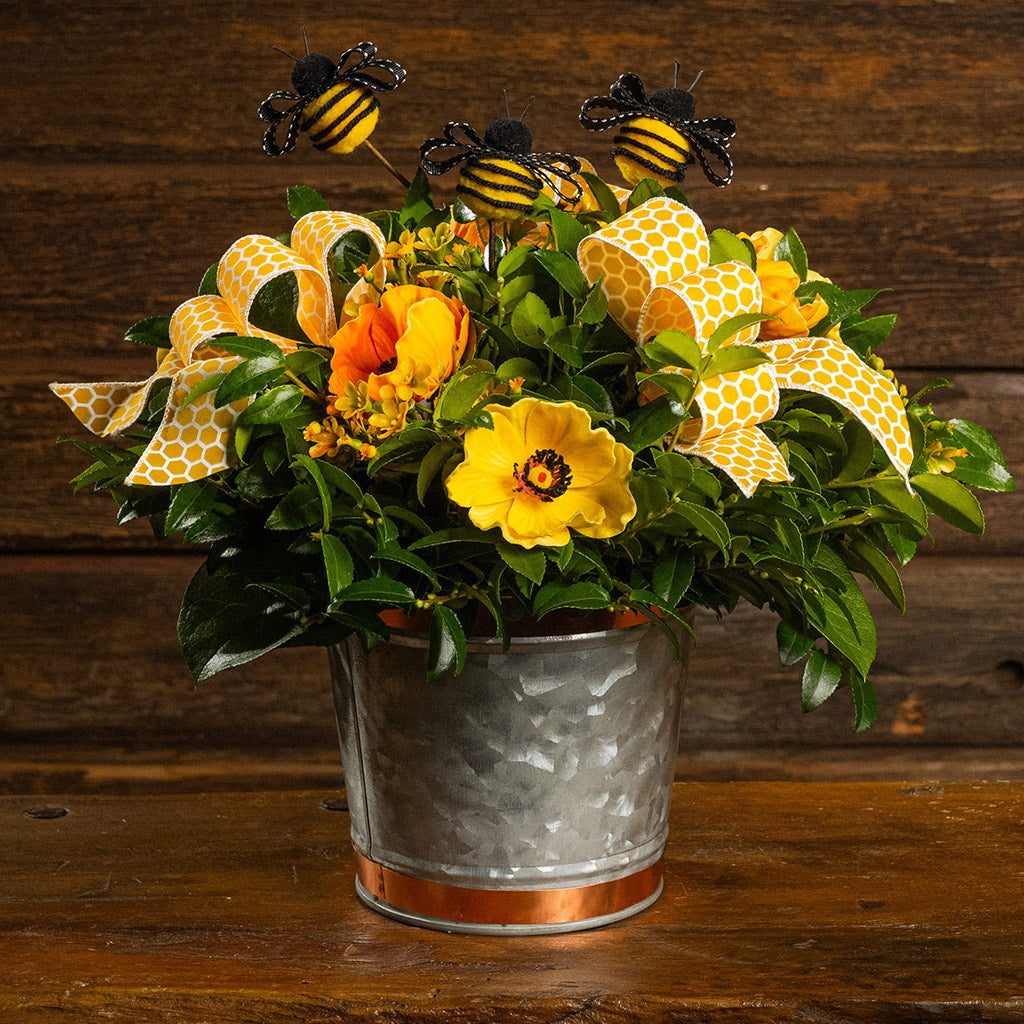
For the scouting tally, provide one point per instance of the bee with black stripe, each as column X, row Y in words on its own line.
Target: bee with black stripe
column 501, row 178
column 333, row 103
column 658, row 137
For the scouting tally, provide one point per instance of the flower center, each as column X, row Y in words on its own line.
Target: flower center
column 545, row 474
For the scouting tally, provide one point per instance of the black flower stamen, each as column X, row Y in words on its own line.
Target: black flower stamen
column 545, row 474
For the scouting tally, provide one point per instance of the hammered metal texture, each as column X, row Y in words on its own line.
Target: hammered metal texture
column 548, row 765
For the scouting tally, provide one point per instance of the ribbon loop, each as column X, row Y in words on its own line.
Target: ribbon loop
column 654, row 265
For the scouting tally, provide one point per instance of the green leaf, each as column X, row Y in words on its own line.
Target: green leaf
column 654, row 421
column 226, row 621
column 792, row 250
column 725, row 247
column 461, row 394
column 822, row 677
column 531, row 321
column 513, row 260
column 865, row 335
column 984, row 466
column 893, row 492
column 951, row 501
column 673, row 348
column 519, row 367
column 568, row 231
column 847, row 623
column 732, row 358
column 203, row 387
column 865, row 704
column 860, row 451
column 707, row 523
column 154, row 331
column 447, row 648
column 302, row 200
column 564, row 270
column 337, row 563
column 188, row 504
column 208, row 284
column 583, row 596
column 430, row 466
column 673, row 572
column 530, row 563
column 248, row 378
column 866, row 558
column 840, row 303
column 299, row 509
column 397, row 556
column 273, row 406
column 645, row 189
column 249, row 348
column 418, row 203
column 594, row 307
column 728, row 328
column 379, row 588
column 793, row 645
column 312, row 467
column 604, row 196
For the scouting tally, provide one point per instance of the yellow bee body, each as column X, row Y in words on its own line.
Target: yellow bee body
column 332, row 102
column 648, row 148
column 498, row 189
column 501, row 176
column 659, row 136
column 341, row 118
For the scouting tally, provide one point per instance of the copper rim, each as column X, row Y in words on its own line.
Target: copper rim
column 442, row 901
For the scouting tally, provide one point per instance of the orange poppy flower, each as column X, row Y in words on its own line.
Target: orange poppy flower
column 413, row 340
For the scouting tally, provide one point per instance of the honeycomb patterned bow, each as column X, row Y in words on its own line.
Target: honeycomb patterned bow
column 194, row 441
column 655, row 271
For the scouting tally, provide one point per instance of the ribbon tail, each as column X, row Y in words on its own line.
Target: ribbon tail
column 193, row 442
column 745, row 454
column 830, row 368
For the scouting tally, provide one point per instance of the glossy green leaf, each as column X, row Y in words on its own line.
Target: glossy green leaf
column 822, row 677
column 732, row 358
column 302, row 200
column 447, row 649
column 338, row 563
column 581, row 596
column 153, row 331
column 792, row 250
column 673, row 573
column 793, row 645
column 528, row 562
column 951, row 501
column 564, row 270
column 725, row 246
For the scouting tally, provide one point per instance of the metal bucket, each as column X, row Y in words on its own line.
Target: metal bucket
column 528, row 794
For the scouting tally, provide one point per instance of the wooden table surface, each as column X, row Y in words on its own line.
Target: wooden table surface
column 803, row 902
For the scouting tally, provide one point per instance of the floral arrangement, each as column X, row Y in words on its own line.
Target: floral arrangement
column 551, row 395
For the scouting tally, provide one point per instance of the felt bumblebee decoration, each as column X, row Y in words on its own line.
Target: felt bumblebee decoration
column 333, row 102
column 501, row 178
column 658, row 137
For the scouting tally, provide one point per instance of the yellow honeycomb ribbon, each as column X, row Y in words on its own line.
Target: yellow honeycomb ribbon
column 195, row 441
column 654, row 266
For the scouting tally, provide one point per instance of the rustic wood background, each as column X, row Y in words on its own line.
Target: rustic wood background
column 888, row 132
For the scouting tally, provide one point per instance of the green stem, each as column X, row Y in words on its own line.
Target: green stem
column 866, row 481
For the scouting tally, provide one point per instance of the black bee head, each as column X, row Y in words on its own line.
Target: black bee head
column 508, row 135
column 677, row 103
column 312, row 74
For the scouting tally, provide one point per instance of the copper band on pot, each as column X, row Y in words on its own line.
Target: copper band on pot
column 506, row 906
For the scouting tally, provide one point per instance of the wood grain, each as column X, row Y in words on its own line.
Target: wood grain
column 784, row 902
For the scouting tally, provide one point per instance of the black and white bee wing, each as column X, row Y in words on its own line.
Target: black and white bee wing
column 625, row 99
column 629, row 90
column 448, row 141
column 356, row 72
column 558, row 170
column 711, row 136
column 269, row 113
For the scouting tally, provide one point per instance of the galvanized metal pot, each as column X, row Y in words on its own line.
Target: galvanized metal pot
column 528, row 794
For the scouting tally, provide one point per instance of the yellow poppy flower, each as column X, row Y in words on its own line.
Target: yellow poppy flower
column 541, row 470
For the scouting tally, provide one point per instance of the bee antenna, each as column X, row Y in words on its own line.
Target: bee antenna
column 286, row 54
column 526, row 108
column 675, row 77
column 504, row 92
column 305, row 41
column 695, row 81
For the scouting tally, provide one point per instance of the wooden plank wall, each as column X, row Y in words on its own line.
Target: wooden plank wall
column 887, row 131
